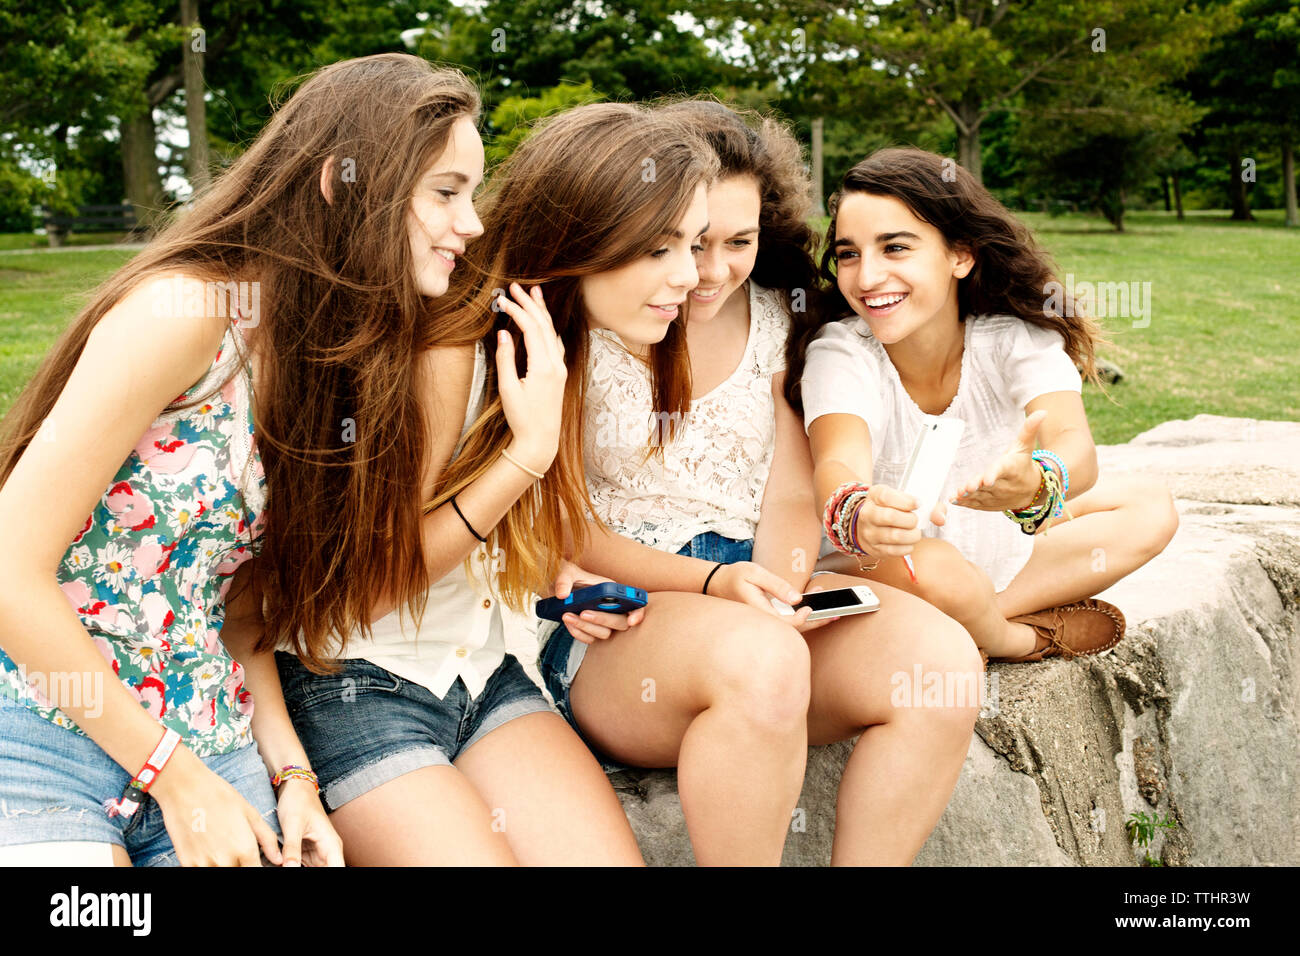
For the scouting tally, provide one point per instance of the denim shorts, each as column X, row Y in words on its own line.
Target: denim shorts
column 561, row 655
column 53, row 782
column 364, row 726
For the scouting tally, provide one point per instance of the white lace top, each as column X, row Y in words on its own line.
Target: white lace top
column 712, row 474
column 1005, row 364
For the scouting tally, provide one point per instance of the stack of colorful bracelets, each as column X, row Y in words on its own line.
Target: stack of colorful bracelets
column 1056, row 483
column 840, row 517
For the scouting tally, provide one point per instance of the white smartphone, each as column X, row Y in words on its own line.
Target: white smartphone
column 836, row 602
column 931, row 460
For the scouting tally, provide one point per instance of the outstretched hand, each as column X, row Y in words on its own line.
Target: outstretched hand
column 1011, row 481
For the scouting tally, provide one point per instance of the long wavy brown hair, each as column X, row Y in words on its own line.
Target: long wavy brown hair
column 341, row 332
column 1011, row 270
column 589, row 190
column 748, row 143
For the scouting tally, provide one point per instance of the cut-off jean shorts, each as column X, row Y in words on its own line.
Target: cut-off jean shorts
column 562, row 655
column 364, row 726
column 53, row 782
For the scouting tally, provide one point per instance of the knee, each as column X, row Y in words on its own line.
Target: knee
column 762, row 669
column 1162, row 520
column 952, row 680
column 947, row 580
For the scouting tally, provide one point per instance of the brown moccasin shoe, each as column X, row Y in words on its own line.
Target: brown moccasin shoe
column 1072, row 630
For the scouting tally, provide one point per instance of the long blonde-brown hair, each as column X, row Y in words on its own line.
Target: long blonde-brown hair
column 588, row 191
column 341, row 330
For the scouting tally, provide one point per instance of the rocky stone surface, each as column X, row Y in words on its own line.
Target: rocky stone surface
column 1193, row 715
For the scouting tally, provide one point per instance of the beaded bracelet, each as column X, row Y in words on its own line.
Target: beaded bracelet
column 1042, row 483
column 833, row 514
column 830, row 511
column 1042, row 454
column 844, row 520
column 1032, row 519
column 292, row 770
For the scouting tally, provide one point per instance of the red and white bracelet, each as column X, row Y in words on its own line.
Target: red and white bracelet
column 136, row 792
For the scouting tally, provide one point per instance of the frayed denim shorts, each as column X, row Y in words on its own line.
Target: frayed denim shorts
column 562, row 655
column 364, row 726
column 54, row 781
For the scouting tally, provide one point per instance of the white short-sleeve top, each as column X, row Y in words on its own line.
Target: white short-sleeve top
column 1006, row 363
column 466, row 630
column 713, row 473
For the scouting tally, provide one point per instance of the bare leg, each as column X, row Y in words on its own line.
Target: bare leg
column 64, row 853
column 953, row 585
column 428, row 817
column 549, row 795
column 719, row 690
column 903, row 768
column 1119, row 525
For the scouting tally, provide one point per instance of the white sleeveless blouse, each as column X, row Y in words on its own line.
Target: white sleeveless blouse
column 712, row 474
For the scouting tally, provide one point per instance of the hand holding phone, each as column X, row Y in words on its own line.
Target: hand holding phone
column 836, row 602
column 607, row 596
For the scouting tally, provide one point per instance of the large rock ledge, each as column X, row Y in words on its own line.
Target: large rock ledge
column 1194, row 714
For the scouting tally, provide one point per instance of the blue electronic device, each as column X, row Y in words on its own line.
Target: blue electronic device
column 607, row 596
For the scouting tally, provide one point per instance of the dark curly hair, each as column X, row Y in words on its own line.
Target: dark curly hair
column 750, row 144
column 1010, row 275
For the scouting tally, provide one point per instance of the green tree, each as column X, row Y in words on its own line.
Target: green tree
column 968, row 61
column 1250, row 82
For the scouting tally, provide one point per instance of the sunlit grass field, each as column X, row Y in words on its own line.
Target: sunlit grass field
column 1223, row 338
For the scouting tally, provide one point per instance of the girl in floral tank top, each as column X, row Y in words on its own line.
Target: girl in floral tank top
column 149, row 571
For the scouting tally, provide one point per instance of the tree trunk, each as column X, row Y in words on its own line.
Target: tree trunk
column 968, row 139
column 140, row 169
column 817, row 162
column 1178, row 193
column 1237, row 189
column 1288, row 177
column 196, row 115
column 1164, row 184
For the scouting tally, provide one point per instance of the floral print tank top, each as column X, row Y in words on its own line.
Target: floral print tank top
column 149, row 571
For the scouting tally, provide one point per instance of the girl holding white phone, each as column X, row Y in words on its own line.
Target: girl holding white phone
column 951, row 315
column 714, row 495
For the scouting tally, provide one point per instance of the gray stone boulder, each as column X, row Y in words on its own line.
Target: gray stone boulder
column 1193, row 715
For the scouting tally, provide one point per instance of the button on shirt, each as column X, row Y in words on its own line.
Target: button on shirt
column 466, row 632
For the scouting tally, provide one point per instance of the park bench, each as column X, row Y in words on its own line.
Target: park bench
column 118, row 217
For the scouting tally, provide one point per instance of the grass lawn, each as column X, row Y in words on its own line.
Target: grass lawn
column 1224, row 333
column 1224, row 312
column 27, row 240
column 39, row 294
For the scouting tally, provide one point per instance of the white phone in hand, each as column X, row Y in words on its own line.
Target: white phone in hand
column 931, row 460
column 837, row 602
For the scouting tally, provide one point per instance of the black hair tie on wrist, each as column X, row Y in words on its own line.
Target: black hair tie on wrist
column 466, row 520
column 705, row 589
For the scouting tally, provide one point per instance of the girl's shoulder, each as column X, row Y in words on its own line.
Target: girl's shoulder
column 165, row 323
column 1026, row 359
column 1004, row 337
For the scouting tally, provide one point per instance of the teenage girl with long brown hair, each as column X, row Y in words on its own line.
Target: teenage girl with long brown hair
column 724, row 506
column 951, row 313
column 571, row 201
column 314, row 440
